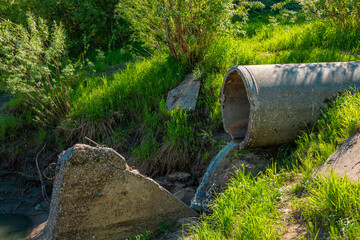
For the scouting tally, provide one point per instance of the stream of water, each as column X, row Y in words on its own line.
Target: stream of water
column 14, row 227
column 204, row 192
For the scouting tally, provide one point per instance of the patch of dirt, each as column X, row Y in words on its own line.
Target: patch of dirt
column 293, row 226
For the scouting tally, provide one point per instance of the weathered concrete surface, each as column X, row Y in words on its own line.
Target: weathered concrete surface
column 346, row 160
column 269, row 105
column 185, row 95
column 96, row 195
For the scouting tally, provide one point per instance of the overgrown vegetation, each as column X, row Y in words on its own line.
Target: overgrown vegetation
column 326, row 205
column 102, row 69
column 30, row 64
column 187, row 27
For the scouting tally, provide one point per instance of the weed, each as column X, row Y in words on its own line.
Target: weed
column 147, row 235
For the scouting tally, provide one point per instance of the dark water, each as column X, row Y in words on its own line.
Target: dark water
column 14, row 227
column 203, row 193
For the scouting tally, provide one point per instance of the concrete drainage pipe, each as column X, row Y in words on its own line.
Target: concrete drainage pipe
column 268, row 105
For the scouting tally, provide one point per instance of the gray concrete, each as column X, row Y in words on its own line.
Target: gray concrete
column 185, row 95
column 96, row 195
column 269, row 105
column 345, row 161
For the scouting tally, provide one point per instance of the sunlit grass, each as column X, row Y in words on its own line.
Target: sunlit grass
column 328, row 206
column 246, row 210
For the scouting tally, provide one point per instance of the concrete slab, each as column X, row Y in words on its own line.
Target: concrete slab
column 96, row 195
column 186, row 94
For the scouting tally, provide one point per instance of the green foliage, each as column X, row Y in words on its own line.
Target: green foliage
column 10, row 127
column 147, row 235
column 132, row 95
column 344, row 14
column 332, row 208
column 30, row 64
column 335, row 126
column 187, row 27
column 89, row 24
column 245, row 210
column 178, row 130
column 14, row 10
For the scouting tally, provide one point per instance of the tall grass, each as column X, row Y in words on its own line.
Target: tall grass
column 246, row 210
column 331, row 208
column 133, row 100
column 338, row 122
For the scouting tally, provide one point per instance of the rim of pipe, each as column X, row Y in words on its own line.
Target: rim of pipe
column 239, row 100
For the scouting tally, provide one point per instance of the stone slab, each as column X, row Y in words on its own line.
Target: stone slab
column 97, row 195
column 345, row 160
column 185, row 95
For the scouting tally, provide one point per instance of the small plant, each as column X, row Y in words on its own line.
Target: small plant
column 175, row 153
column 164, row 227
column 147, row 235
column 30, row 63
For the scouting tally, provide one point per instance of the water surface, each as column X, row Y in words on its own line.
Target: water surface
column 14, row 227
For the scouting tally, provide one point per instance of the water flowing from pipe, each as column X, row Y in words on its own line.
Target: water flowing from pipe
column 204, row 192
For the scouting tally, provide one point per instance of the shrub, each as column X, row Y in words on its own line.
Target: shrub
column 89, row 24
column 341, row 13
column 187, row 27
column 30, row 64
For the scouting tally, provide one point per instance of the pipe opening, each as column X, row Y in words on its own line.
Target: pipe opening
column 235, row 106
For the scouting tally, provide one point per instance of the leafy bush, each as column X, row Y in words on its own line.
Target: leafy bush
column 89, row 24
column 30, row 64
column 340, row 13
column 14, row 10
column 187, row 27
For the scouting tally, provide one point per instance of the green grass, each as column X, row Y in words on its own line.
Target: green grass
column 339, row 121
column 10, row 127
column 246, row 210
column 127, row 111
column 326, row 205
column 331, row 208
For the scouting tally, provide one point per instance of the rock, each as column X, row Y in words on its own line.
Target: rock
column 186, row 94
column 185, row 195
column 96, row 195
column 345, row 160
column 179, row 176
column 177, row 187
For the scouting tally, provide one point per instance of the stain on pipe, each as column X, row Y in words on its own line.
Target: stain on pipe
column 269, row 105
